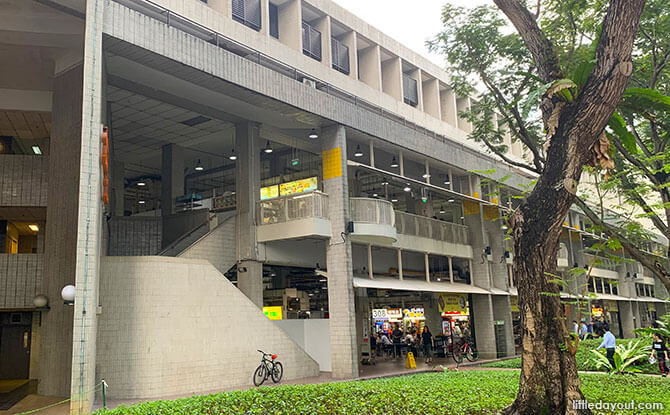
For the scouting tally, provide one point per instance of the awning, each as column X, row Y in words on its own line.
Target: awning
column 498, row 291
column 612, row 297
column 386, row 283
column 649, row 300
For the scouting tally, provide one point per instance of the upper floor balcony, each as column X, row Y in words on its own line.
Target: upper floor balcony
column 602, row 266
column 425, row 234
column 294, row 216
column 374, row 220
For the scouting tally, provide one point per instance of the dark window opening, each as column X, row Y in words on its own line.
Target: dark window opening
column 248, row 12
column 311, row 41
column 274, row 21
column 410, row 90
column 340, row 56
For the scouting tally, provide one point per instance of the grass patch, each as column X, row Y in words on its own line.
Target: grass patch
column 582, row 357
column 470, row 392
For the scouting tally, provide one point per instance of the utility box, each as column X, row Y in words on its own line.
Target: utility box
column 501, row 344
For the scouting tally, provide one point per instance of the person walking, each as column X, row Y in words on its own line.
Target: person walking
column 583, row 331
column 660, row 351
column 575, row 327
column 609, row 344
column 396, row 337
column 428, row 343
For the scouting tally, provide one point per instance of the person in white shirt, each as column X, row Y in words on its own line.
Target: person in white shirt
column 609, row 344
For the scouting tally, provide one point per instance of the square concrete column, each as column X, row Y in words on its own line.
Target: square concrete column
column 626, row 316
column 463, row 104
column 498, row 267
column 323, row 26
column 349, row 39
column 474, row 220
column 481, row 311
column 430, row 90
column 172, row 177
column 344, row 345
column 247, row 194
column 502, row 311
column 448, row 107
column 392, row 77
column 290, row 24
column 370, row 66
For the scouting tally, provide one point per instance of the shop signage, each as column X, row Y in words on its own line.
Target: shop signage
column 269, row 192
column 453, row 304
column 273, row 313
column 380, row 314
column 596, row 311
column 514, row 304
column 223, row 202
column 394, row 314
column 414, row 313
column 298, row 186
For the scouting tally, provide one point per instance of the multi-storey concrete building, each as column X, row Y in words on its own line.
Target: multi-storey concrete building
column 189, row 165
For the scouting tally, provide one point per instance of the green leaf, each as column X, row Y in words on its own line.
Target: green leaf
column 645, row 99
column 618, row 126
column 562, row 88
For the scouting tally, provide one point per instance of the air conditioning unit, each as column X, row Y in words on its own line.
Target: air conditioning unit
column 309, row 82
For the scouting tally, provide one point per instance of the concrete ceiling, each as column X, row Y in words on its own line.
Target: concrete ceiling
column 25, row 124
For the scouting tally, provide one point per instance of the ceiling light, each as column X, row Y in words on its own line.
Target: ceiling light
column 385, row 182
column 313, row 134
column 141, row 202
column 407, row 188
column 198, row 166
column 375, row 195
column 394, row 163
column 442, row 210
column 34, row 228
column 394, row 200
column 358, row 152
column 451, row 200
column 37, row 150
column 141, row 183
column 462, row 217
column 268, row 148
column 426, row 175
column 446, row 181
column 232, row 155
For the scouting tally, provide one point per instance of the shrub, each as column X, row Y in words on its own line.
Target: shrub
column 625, row 355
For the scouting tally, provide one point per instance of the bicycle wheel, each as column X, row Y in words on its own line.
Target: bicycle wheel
column 260, row 375
column 457, row 355
column 471, row 354
column 277, row 372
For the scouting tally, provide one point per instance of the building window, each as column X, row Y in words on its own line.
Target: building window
column 608, row 287
column 340, row 56
column 311, row 41
column 248, row 12
column 274, row 21
column 599, row 286
column 410, row 90
column 615, row 289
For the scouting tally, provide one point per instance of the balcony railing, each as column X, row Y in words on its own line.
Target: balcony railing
column 600, row 262
column 372, row 211
column 409, row 224
column 311, row 41
column 294, row 207
column 340, row 56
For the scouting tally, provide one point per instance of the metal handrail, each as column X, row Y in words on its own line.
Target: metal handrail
column 293, row 207
column 422, row 226
column 374, row 211
column 158, row 12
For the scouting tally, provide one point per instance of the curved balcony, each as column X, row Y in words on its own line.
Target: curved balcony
column 374, row 220
column 425, row 234
column 295, row 216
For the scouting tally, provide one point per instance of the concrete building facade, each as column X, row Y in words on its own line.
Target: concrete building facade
column 218, row 177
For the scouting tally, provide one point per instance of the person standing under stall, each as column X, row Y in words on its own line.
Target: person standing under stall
column 396, row 336
column 428, row 343
column 609, row 344
column 660, row 351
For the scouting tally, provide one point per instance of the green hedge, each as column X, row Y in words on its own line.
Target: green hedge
column 582, row 358
column 450, row 393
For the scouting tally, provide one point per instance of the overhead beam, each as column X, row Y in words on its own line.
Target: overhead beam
column 25, row 100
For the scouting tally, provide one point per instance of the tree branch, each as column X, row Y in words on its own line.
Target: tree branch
column 634, row 161
column 506, row 159
column 639, row 141
column 629, row 247
column 538, row 44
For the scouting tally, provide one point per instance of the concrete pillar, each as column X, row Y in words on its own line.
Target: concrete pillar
column 265, row 17
column 349, row 39
column 247, row 193
column 392, row 77
column 369, row 67
column 626, row 316
column 117, row 185
column 481, row 311
column 502, row 311
column 474, row 221
column 431, row 98
column 433, row 315
column 637, row 320
column 172, row 177
column 448, row 107
column 344, row 345
column 290, row 24
column 323, row 26
column 498, row 267
column 463, row 104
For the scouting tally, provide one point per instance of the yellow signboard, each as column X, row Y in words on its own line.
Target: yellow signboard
column 332, row 163
column 453, row 304
column 269, row 192
column 514, row 304
column 273, row 313
column 470, row 207
column 298, row 186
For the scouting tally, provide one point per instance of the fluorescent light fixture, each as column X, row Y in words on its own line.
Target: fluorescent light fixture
column 141, row 183
column 141, row 202
column 358, row 152
column 407, row 188
column 37, row 150
column 313, row 134
column 394, row 200
column 451, row 200
column 34, row 228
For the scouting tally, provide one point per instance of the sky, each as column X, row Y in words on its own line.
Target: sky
column 410, row 25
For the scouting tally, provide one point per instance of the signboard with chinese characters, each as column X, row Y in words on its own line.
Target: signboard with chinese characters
column 453, row 304
column 394, row 314
column 273, row 313
column 298, row 186
column 596, row 311
column 269, row 192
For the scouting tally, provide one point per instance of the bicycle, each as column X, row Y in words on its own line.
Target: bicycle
column 465, row 349
column 269, row 368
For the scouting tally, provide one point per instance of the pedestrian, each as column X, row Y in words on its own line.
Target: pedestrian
column 387, row 345
column 428, row 343
column 373, row 346
column 609, row 344
column 575, row 327
column 457, row 337
column 583, row 331
column 660, row 351
column 396, row 337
